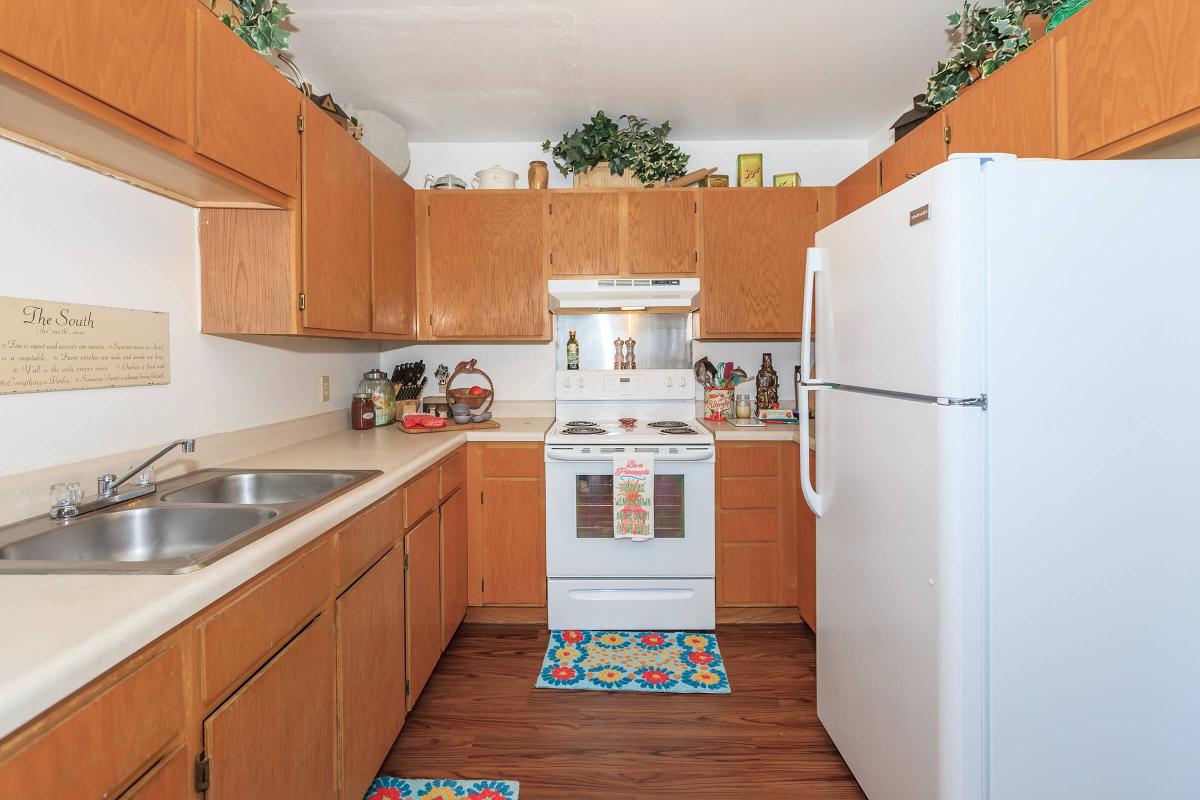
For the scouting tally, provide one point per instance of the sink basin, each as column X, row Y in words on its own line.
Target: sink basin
column 261, row 488
column 139, row 535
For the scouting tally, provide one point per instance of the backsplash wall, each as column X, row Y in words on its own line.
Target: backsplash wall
column 73, row 235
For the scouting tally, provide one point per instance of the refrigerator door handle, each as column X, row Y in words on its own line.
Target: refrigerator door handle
column 803, row 393
column 815, row 263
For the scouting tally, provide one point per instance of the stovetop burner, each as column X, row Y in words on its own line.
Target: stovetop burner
column 667, row 424
column 583, row 430
column 679, row 431
column 575, row 423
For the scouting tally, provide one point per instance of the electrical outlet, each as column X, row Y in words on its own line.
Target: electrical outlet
column 324, row 388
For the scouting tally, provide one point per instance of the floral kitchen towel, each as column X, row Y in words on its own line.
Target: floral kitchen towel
column 633, row 496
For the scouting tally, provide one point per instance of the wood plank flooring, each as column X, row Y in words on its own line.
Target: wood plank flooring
column 480, row 717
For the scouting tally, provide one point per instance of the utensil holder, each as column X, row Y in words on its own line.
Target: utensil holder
column 717, row 403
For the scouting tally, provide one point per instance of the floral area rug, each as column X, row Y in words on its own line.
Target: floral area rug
column 441, row 789
column 634, row 661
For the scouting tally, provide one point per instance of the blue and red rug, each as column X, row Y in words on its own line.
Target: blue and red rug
column 634, row 661
column 441, row 789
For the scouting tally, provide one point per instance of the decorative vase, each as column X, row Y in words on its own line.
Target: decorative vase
column 766, row 384
column 539, row 175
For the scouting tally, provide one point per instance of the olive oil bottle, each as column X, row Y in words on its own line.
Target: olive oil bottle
column 572, row 352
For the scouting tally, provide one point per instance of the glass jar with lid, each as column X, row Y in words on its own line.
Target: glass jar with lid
column 383, row 395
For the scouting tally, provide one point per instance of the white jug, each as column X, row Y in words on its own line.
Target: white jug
column 495, row 177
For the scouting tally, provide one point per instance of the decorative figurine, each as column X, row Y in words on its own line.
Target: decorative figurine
column 766, row 383
column 630, row 358
column 442, row 373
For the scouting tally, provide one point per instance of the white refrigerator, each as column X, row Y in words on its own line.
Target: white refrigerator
column 1007, row 395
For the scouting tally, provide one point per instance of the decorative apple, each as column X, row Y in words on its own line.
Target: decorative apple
column 475, row 390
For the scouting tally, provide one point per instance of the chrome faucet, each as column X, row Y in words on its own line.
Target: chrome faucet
column 107, row 486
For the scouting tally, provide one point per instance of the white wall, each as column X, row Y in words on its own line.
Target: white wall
column 73, row 235
column 819, row 162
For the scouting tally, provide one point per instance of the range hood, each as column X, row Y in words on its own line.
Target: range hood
column 580, row 296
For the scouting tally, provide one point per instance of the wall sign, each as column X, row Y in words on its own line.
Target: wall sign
column 49, row 346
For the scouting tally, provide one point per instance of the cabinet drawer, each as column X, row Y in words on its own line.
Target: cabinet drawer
column 106, row 741
column 513, row 461
column 749, row 493
column 747, row 460
column 368, row 535
column 420, row 497
column 453, row 470
column 245, row 632
column 757, row 525
column 169, row 780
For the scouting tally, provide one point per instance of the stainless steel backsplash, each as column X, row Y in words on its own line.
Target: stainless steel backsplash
column 664, row 341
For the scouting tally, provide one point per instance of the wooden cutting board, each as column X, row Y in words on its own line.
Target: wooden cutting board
column 451, row 425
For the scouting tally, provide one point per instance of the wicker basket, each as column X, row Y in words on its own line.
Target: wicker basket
column 600, row 177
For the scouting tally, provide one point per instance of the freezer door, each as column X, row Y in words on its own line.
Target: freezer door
column 900, row 296
column 1095, row 513
column 899, row 588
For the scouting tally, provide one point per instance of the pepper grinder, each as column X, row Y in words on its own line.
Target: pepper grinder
column 618, row 358
column 630, row 358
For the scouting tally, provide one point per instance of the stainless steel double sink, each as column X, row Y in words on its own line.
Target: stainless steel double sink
column 188, row 523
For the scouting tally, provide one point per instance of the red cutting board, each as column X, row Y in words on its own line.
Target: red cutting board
column 451, row 425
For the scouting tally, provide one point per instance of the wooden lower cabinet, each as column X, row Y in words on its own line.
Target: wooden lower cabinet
column 370, row 658
column 454, row 564
column 506, row 482
column 423, row 603
column 756, row 514
column 276, row 736
column 170, row 779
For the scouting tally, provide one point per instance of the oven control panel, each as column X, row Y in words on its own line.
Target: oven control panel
column 632, row 384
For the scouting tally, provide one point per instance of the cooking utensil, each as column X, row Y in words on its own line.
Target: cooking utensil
column 727, row 371
column 711, row 370
column 692, row 178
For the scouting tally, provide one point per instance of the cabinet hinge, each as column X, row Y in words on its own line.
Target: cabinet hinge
column 406, row 561
column 303, row 301
column 203, row 772
column 947, row 134
column 406, row 687
column 300, row 123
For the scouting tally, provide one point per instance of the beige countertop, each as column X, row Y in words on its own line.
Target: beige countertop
column 59, row 632
column 777, row 432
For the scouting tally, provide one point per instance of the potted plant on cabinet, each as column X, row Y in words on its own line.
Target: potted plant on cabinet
column 603, row 153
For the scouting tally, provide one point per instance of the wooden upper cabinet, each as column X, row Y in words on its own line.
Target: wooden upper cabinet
column 423, row 603
column 337, row 227
column 1123, row 67
column 135, row 56
column 277, row 735
column 921, row 149
column 662, row 232
column 584, row 233
column 393, row 253
column 486, row 265
column 246, row 113
column 370, row 656
column 858, row 188
column 755, row 244
column 1012, row 111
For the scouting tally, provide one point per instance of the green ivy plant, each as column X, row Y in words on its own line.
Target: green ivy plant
column 637, row 146
column 261, row 27
column 988, row 38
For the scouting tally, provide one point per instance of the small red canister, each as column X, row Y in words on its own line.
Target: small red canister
column 362, row 412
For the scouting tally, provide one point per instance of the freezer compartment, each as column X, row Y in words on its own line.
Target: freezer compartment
column 619, row 604
column 899, row 588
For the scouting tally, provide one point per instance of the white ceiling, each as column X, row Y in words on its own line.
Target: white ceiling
column 469, row 70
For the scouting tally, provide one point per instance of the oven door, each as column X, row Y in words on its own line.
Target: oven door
column 579, row 522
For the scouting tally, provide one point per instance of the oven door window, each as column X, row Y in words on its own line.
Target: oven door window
column 594, row 506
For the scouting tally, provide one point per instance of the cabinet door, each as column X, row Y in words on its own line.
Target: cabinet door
column 584, row 233
column 423, row 603
column 276, row 736
column 755, row 244
column 393, row 253
column 133, row 55
column 170, row 779
column 1012, row 111
column 1124, row 66
column 454, row 564
column 486, row 258
column 923, row 148
column 370, row 655
column 246, row 113
column 514, row 541
column 755, row 524
column 662, row 232
column 858, row 189
column 337, row 227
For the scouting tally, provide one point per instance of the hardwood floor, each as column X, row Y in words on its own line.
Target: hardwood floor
column 480, row 717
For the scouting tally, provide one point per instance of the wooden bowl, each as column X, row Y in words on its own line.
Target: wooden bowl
column 469, row 400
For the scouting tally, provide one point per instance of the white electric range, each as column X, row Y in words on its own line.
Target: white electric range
column 599, row 582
